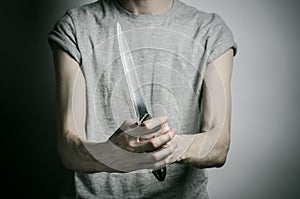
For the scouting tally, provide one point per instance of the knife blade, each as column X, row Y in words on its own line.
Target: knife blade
column 135, row 90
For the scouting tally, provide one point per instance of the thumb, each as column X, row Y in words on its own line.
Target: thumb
column 129, row 124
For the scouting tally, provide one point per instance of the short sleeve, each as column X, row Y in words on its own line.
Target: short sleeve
column 64, row 35
column 220, row 39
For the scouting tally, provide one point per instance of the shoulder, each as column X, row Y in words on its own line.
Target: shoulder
column 96, row 11
column 190, row 12
column 197, row 18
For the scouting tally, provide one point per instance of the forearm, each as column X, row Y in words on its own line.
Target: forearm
column 201, row 155
column 76, row 157
column 210, row 147
column 71, row 115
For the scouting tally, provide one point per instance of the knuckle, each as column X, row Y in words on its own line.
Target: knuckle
column 167, row 127
column 125, row 137
column 170, row 150
column 169, row 136
column 164, row 119
column 165, row 161
column 155, row 157
column 164, row 129
column 146, row 125
column 153, row 144
column 130, row 149
column 161, row 120
column 157, row 165
column 164, row 139
column 131, row 144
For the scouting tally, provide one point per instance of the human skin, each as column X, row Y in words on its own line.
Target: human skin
column 76, row 157
column 71, row 146
column 151, row 7
column 210, row 146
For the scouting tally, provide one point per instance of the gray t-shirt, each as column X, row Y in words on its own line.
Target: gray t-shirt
column 169, row 51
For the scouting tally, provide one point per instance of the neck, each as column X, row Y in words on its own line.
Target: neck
column 146, row 6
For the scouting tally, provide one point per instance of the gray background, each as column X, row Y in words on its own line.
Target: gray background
column 264, row 155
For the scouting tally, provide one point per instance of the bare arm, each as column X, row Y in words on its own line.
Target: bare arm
column 70, row 147
column 123, row 146
column 210, row 147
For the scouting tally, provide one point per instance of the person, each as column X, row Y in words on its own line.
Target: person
column 184, row 61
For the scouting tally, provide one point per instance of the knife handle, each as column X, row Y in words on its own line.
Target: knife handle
column 160, row 174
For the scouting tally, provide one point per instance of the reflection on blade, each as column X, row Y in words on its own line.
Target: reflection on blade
column 136, row 93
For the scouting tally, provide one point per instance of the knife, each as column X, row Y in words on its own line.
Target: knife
column 136, row 93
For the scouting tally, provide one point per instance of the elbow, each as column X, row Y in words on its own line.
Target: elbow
column 214, row 159
column 219, row 156
column 64, row 156
column 220, row 160
column 68, row 155
column 67, row 150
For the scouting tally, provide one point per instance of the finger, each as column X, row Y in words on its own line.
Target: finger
column 157, row 131
column 154, row 122
column 161, row 164
column 141, row 131
column 146, row 131
column 157, row 142
column 163, row 153
column 128, row 124
column 158, row 165
column 165, row 128
column 160, row 158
